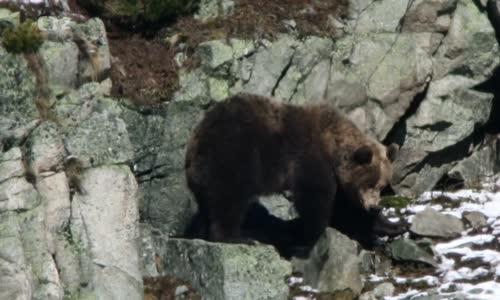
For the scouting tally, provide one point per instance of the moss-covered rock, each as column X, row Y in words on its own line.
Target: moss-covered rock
column 24, row 38
column 225, row 271
column 17, row 86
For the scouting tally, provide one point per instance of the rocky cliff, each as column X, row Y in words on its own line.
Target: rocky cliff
column 91, row 183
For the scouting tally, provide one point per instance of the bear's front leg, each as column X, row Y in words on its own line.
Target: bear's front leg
column 383, row 227
column 313, row 196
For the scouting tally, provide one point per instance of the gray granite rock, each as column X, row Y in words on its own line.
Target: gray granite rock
column 333, row 264
column 224, row 271
column 11, row 164
column 105, row 226
column 167, row 203
column 406, row 250
column 45, row 149
column 475, row 219
column 435, row 224
column 15, row 275
column 101, row 139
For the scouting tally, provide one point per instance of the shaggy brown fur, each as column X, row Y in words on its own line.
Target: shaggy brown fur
column 248, row 145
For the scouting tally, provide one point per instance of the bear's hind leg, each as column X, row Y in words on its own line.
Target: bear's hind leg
column 226, row 220
column 198, row 227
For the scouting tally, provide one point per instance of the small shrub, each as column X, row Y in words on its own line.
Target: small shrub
column 24, row 38
column 395, row 201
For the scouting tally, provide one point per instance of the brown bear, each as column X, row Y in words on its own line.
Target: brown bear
column 249, row 145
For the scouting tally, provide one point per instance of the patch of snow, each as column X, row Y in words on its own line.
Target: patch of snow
column 446, row 264
column 400, row 280
column 306, row 288
column 374, row 278
column 420, row 207
column 301, row 298
column 451, row 280
column 479, row 240
column 465, row 274
column 470, row 195
column 407, row 295
column 487, row 256
column 429, row 280
column 292, row 280
column 489, row 290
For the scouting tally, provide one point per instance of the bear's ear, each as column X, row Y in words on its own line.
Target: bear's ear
column 392, row 151
column 363, row 155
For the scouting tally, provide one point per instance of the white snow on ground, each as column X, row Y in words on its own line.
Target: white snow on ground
column 429, row 280
column 469, row 266
column 408, row 295
column 295, row 280
column 465, row 274
column 374, row 278
column 466, row 240
column 306, row 288
column 488, row 290
column 456, row 276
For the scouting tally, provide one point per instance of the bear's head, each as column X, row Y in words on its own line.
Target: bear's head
column 365, row 171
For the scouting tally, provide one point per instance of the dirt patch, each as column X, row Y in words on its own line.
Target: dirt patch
column 166, row 288
column 143, row 66
column 142, row 70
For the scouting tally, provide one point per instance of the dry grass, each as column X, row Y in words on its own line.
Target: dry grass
column 144, row 69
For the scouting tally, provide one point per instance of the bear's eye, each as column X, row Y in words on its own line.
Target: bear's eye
column 363, row 155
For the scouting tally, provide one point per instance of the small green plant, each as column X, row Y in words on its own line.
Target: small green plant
column 395, row 201
column 24, row 38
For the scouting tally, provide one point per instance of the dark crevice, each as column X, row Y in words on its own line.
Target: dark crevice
column 451, row 153
column 463, row 71
column 479, row 5
column 438, row 126
column 494, row 16
column 8, row 143
column 492, row 85
column 398, row 132
column 446, row 183
column 282, row 75
column 150, row 179
column 148, row 172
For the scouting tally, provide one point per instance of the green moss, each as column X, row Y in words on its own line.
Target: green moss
column 395, row 201
column 24, row 38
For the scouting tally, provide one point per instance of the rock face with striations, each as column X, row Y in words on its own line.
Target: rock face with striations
column 80, row 172
column 68, row 200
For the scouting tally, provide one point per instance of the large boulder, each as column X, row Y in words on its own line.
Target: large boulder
column 333, row 264
column 167, row 203
column 435, row 224
column 224, row 271
column 105, row 224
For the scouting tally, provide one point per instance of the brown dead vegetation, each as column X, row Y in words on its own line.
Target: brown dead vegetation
column 253, row 19
column 164, row 288
column 143, row 66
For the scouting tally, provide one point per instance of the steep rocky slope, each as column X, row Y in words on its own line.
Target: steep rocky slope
column 91, row 183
